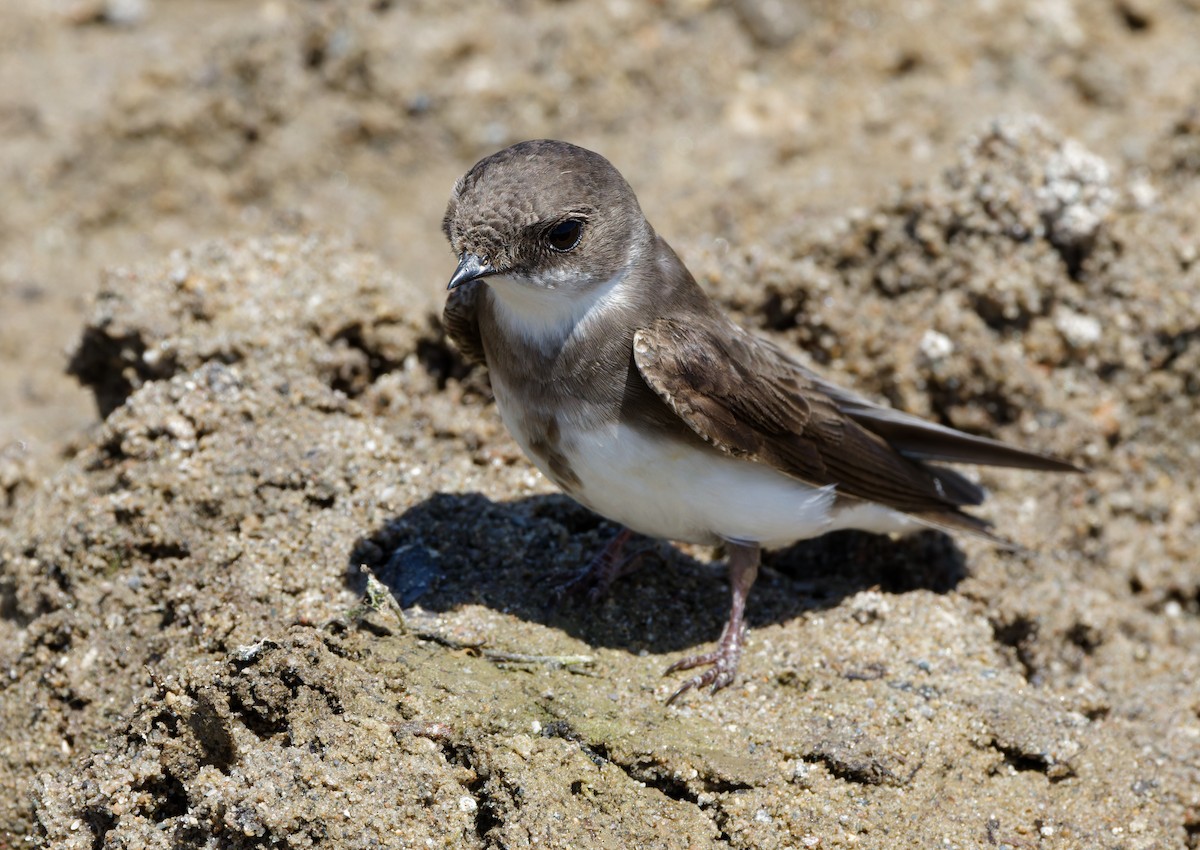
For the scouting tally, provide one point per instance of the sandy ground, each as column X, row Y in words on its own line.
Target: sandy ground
column 224, row 390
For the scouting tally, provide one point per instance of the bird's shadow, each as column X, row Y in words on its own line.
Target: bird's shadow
column 455, row 549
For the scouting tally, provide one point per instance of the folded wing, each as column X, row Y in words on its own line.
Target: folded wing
column 923, row 440
column 748, row 399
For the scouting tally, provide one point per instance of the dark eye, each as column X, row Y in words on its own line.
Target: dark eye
column 565, row 235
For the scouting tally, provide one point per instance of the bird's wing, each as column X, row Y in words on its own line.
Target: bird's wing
column 460, row 317
column 746, row 398
column 920, row 439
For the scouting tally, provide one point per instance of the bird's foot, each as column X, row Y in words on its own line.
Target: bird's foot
column 722, row 665
column 722, row 662
column 609, row 564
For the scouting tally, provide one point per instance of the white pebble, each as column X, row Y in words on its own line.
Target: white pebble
column 936, row 345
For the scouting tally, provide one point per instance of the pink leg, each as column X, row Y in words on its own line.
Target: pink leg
column 609, row 565
column 722, row 662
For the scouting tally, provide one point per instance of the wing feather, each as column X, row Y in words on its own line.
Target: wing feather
column 923, row 440
column 744, row 396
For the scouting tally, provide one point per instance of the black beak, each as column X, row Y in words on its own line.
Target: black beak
column 469, row 268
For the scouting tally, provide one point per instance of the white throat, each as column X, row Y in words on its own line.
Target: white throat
column 549, row 314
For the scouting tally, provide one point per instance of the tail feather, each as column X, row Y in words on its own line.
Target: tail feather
column 957, row 521
column 956, row 487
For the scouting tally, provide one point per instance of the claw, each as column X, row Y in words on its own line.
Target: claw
column 722, row 662
column 722, row 665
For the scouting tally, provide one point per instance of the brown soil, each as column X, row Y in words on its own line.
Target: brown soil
column 224, row 390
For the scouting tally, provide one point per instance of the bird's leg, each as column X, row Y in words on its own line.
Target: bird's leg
column 722, row 662
column 609, row 564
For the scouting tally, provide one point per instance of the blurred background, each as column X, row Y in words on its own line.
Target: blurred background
column 129, row 128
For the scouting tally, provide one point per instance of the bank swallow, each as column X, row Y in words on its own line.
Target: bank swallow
column 629, row 389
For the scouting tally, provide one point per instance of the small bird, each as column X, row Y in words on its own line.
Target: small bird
column 634, row 393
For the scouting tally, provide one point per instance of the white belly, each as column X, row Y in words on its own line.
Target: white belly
column 696, row 494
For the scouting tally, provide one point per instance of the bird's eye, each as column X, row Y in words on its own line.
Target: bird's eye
column 565, row 235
